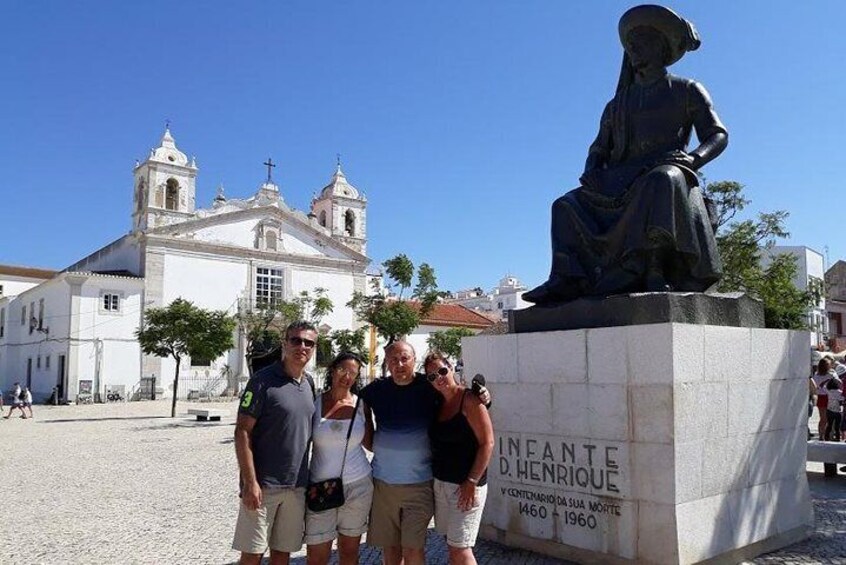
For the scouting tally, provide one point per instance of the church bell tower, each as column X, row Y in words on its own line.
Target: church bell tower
column 164, row 187
column 342, row 210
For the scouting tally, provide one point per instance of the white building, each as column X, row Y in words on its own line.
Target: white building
column 506, row 296
column 810, row 271
column 15, row 279
column 234, row 253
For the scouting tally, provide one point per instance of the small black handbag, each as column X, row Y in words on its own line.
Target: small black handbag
column 329, row 493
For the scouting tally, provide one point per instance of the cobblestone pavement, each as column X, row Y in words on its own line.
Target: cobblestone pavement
column 124, row 483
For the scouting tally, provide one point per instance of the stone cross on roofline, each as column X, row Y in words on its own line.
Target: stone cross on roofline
column 269, row 164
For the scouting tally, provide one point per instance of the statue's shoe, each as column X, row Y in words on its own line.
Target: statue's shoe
column 554, row 290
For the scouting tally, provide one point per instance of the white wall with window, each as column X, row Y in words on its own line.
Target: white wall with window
column 269, row 286
column 73, row 338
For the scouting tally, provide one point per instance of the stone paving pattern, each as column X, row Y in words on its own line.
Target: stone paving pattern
column 125, row 483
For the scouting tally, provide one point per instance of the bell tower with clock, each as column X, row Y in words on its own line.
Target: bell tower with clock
column 164, row 190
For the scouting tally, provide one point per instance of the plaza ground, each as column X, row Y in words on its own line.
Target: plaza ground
column 125, row 483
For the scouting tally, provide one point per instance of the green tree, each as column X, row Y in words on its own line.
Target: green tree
column 448, row 341
column 351, row 340
column 743, row 245
column 264, row 323
column 394, row 318
column 182, row 329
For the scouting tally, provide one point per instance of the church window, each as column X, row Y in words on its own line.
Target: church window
column 38, row 362
column 32, row 320
column 111, row 302
column 172, row 194
column 349, row 223
column 23, row 315
column 2, row 321
column 41, row 314
column 270, row 240
column 46, row 361
column 323, row 218
column 269, row 288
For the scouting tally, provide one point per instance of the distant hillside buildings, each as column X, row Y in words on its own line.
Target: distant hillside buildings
column 506, row 296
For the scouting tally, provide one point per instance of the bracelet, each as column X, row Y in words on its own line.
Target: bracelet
column 472, row 480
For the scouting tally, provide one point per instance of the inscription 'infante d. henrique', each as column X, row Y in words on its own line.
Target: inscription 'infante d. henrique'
column 572, row 464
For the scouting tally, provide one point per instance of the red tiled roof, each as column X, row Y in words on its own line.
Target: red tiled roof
column 455, row 315
column 28, row 272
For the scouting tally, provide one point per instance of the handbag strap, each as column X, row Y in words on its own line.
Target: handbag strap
column 349, row 433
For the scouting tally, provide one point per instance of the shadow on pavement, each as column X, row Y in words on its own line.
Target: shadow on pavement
column 104, row 419
column 188, row 424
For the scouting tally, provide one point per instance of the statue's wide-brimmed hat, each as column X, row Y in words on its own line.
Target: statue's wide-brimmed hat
column 680, row 33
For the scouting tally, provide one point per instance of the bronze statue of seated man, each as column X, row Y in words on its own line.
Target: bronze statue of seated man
column 639, row 222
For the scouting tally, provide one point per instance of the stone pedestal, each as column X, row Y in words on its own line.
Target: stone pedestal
column 713, row 309
column 664, row 443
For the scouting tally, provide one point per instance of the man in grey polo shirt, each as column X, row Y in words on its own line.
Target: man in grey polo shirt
column 271, row 442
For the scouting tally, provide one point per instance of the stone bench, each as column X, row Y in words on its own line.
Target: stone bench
column 207, row 414
column 829, row 453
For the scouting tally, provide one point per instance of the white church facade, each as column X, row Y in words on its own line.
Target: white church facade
column 75, row 330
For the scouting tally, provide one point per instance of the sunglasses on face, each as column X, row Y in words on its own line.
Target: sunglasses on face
column 443, row 371
column 301, row 341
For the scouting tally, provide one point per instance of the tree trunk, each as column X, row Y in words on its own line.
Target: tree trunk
column 175, row 389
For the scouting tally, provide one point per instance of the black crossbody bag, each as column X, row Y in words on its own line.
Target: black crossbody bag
column 329, row 493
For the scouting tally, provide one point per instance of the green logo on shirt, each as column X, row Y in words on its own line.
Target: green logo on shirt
column 248, row 398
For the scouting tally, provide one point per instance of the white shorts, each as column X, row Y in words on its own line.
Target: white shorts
column 460, row 528
column 348, row 520
column 277, row 524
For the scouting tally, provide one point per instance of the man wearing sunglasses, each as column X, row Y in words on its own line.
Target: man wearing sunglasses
column 403, row 406
column 271, row 442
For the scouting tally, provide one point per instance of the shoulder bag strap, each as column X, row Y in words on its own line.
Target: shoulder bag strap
column 349, row 433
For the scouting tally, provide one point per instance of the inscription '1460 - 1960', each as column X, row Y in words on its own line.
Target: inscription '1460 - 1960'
column 571, row 464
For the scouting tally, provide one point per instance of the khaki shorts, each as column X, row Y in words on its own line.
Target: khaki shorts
column 460, row 528
column 400, row 514
column 348, row 520
column 277, row 524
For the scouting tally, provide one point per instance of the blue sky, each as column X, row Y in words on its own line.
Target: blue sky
column 461, row 121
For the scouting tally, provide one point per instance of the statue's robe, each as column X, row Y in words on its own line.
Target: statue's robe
column 632, row 203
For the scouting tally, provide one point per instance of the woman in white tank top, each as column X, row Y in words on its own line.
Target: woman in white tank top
column 333, row 412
